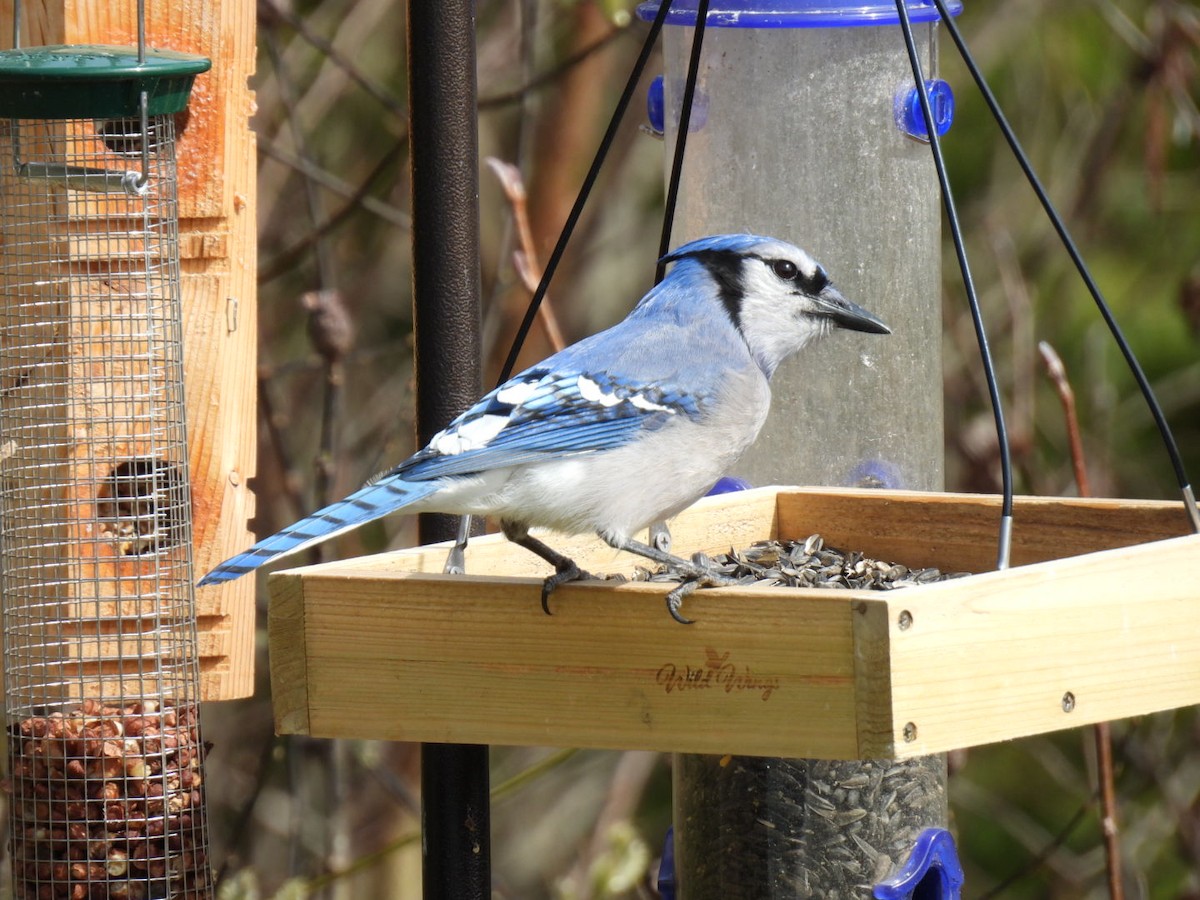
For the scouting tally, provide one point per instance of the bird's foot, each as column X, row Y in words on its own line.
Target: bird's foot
column 565, row 573
column 697, row 575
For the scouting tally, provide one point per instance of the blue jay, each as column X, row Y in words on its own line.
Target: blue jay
column 625, row 428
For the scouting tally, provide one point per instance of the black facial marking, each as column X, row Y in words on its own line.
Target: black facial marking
column 726, row 270
column 814, row 284
column 787, row 270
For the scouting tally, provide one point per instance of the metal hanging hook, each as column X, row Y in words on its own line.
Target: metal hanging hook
column 89, row 178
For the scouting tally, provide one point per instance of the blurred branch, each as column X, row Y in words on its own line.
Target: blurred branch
column 1058, row 376
column 332, row 334
column 1158, row 75
column 525, row 259
column 1015, row 286
column 358, row 195
column 285, row 260
column 623, row 798
column 270, row 13
column 367, row 860
column 288, row 97
column 1101, row 731
column 552, row 74
column 245, row 812
column 1043, row 856
column 274, row 421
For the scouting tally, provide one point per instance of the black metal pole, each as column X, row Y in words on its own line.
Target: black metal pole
column 443, row 137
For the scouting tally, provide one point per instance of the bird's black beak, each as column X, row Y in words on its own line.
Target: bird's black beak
column 845, row 314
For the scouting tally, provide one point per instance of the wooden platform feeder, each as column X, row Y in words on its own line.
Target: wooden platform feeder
column 1095, row 621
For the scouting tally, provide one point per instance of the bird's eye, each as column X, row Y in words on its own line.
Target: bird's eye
column 784, row 268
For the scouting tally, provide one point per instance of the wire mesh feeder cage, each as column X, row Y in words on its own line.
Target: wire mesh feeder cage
column 101, row 662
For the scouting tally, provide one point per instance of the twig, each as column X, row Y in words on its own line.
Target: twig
column 525, row 260
column 1102, row 734
column 1058, row 375
column 357, row 194
column 244, row 814
column 270, row 12
column 332, row 334
column 1059, row 839
column 273, row 420
column 496, row 101
column 1101, row 731
column 625, row 793
column 367, row 860
column 285, row 260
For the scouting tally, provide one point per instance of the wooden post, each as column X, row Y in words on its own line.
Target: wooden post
column 217, row 170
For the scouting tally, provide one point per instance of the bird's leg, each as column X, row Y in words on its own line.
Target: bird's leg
column 696, row 575
column 456, row 561
column 565, row 569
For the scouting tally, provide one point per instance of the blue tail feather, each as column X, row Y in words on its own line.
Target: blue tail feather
column 364, row 505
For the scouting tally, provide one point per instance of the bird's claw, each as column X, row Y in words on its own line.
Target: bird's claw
column 675, row 601
column 694, row 581
column 563, row 575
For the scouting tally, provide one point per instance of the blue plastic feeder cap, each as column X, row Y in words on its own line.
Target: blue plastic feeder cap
column 797, row 13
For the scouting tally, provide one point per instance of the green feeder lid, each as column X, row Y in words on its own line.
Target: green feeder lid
column 94, row 82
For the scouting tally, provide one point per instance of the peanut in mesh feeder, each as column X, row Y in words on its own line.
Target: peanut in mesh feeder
column 100, row 643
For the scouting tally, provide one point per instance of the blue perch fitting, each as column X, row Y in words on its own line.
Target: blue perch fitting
column 666, row 867
column 911, row 120
column 931, row 872
column 656, row 105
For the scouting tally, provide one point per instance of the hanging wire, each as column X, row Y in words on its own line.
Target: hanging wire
column 985, row 353
column 589, row 182
column 685, row 119
column 141, row 31
column 454, row 563
column 1168, row 438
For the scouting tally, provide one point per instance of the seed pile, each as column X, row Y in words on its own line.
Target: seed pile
column 107, row 803
column 807, row 564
